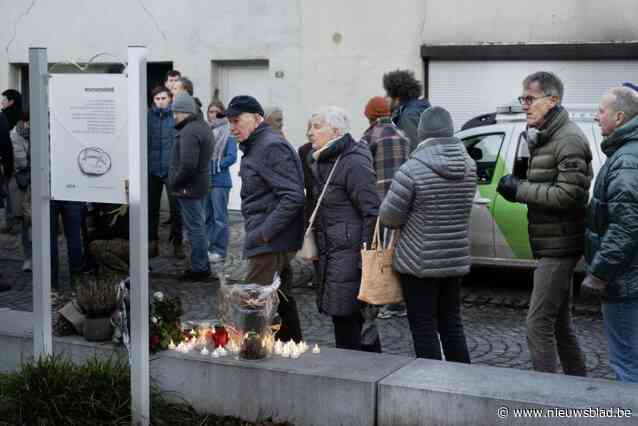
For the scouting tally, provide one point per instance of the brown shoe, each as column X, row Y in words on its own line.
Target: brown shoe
column 179, row 250
column 153, row 249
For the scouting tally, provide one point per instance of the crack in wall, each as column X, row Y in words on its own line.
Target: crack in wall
column 15, row 26
column 150, row 15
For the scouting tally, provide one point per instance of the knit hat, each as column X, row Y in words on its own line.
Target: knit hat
column 377, row 107
column 435, row 122
column 184, row 103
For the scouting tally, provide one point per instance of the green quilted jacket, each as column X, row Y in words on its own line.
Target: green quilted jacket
column 611, row 249
column 557, row 188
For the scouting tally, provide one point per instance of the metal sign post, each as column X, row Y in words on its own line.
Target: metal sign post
column 138, row 221
column 40, row 200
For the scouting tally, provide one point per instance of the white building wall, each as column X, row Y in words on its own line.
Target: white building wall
column 298, row 37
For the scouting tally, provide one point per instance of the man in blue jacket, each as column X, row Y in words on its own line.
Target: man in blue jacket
column 272, row 201
column 611, row 245
column 404, row 90
column 161, row 137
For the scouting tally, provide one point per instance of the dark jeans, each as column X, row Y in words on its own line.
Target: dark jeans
column 216, row 207
column 434, row 305
column 550, row 333
column 348, row 333
column 261, row 270
column 72, row 213
column 155, row 186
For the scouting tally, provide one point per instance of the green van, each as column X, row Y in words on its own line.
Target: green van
column 499, row 227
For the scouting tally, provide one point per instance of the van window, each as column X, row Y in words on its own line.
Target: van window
column 521, row 162
column 484, row 149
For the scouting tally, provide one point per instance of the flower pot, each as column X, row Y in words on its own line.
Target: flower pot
column 98, row 329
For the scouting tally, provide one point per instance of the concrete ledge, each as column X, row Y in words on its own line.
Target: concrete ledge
column 440, row 393
column 336, row 387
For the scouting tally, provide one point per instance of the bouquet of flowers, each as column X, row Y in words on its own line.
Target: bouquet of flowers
column 165, row 326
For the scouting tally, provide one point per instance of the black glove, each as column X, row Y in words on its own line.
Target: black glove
column 507, row 187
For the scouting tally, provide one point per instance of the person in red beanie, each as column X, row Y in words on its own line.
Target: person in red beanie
column 390, row 148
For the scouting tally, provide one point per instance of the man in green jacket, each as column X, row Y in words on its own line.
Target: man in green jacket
column 555, row 192
column 611, row 248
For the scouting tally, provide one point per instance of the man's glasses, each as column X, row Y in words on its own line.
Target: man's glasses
column 528, row 100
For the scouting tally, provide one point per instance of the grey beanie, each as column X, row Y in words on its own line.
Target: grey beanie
column 183, row 103
column 435, row 122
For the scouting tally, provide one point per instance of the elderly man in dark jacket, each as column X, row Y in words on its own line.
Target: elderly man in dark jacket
column 161, row 137
column 611, row 248
column 430, row 200
column 272, row 200
column 189, row 180
column 556, row 193
column 344, row 222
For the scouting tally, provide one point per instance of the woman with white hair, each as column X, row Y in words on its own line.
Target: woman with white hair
column 344, row 222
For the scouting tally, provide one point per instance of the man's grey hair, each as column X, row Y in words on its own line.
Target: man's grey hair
column 626, row 101
column 188, row 84
column 548, row 82
column 335, row 117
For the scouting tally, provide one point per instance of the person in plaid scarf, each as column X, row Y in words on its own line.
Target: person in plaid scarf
column 390, row 148
column 388, row 144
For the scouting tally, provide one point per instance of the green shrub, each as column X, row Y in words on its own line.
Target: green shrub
column 53, row 391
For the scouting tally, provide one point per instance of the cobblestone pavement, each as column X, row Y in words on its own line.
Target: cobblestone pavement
column 494, row 306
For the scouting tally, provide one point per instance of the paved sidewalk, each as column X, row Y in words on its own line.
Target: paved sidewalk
column 494, row 318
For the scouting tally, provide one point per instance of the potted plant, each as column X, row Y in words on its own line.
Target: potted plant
column 98, row 300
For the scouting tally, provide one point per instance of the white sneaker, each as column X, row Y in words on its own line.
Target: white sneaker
column 214, row 257
column 27, row 265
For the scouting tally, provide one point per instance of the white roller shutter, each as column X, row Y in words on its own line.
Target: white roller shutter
column 470, row 88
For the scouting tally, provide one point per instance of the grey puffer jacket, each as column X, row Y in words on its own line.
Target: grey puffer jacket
column 430, row 199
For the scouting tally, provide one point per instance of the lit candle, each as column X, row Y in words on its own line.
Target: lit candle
column 204, row 351
column 215, row 354
column 315, row 349
column 222, row 351
column 171, row 345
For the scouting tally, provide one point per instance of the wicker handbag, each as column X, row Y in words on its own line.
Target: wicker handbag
column 309, row 249
column 379, row 281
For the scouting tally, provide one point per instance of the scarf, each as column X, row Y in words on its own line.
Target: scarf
column 221, row 132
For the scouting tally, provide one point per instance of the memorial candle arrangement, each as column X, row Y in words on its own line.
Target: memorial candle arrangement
column 218, row 342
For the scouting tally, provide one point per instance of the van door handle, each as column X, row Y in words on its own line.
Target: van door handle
column 482, row 201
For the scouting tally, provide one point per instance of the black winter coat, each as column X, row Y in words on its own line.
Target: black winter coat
column 345, row 221
column 272, row 193
column 189, row 174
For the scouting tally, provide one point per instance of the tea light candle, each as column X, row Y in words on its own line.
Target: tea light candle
column 315, row 349
column 215, row 354
column 204, row 351
column 171, row 345
column 222, row 351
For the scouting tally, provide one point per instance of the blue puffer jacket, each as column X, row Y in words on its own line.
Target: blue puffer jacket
column 611, row 245
column 161, row 137
column 222, row 178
